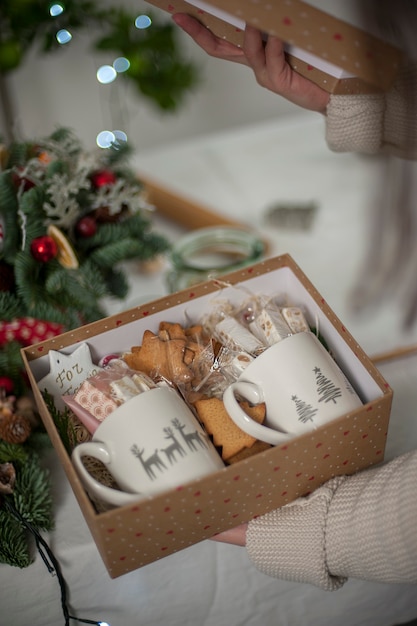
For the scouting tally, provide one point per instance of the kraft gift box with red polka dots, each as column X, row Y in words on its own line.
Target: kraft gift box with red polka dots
column 330, row 46
column 134, row 535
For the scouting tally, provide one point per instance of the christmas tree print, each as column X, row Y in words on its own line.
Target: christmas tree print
column 305, row 411
column 327, row 390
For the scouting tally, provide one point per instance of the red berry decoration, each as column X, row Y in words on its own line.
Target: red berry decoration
column 21, row 182
column 43, row 249
column 103, row 178
column 86, row 227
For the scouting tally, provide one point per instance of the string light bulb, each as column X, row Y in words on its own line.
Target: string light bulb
column 63, row 36
column 143, row 21
column 106, row 74
column 56, row 9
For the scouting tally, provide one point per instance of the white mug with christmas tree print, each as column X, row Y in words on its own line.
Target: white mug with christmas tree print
column 302, row 387
column 149, row 444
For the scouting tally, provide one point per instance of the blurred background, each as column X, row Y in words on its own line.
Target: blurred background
column 61, row 88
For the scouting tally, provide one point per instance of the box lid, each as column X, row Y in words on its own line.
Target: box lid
column 335, row 53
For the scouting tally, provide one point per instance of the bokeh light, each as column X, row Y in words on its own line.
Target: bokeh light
column 63, row 36
column 143, row 21
column 107, row 138
column 56, row 9
column 120, row 136
column 121, row 64
column 106, row 74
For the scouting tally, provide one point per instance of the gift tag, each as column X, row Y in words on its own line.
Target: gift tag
column 67, row 372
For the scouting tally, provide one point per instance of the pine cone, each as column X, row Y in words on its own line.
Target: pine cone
column 26, row 408
column 14, row 428
column 7, row 477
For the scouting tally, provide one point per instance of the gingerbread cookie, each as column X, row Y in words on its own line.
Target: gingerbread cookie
column 222, row 428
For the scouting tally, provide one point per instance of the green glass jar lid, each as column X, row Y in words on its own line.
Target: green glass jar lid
column 210, row 252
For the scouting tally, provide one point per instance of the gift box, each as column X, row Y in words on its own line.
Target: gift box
column 330, row 47
column 134, row 535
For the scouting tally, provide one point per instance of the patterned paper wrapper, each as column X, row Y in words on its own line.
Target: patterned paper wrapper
column 99, row 395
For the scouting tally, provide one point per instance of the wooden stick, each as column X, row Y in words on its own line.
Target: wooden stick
column 184, row 211
column 395, row 353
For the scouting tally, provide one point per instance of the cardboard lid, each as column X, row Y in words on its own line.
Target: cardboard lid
column 315, row 40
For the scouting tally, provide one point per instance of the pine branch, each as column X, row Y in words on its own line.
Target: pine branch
column 38, row 441
column 18, row 154
column 13, row 452
column 30, row 276
column 14, row 549
column 152, row 244
column 78, row 293
column 9, row 207
column 117, row 284
column 76, row 288
column 10, row 306
column 109, row 255
column 11, row 365
column 31, row 495
column 43, row 310
column 136, row 225
column 31, row 206
column 62, row 422
column 92, row 276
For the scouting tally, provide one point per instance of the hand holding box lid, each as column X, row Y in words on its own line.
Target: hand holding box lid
column 331, row 52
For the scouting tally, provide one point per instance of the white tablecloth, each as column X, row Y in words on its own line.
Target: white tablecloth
column 240, row 173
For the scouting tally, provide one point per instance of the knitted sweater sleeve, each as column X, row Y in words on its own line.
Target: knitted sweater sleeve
column 376, row 123
column 361, row 526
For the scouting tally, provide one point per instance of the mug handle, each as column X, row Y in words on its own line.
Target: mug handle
column 98, row 450
column 253, row 394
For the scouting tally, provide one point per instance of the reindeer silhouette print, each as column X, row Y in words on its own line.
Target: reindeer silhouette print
column 154, row 462
column 189, row 438
column 174, row 447
column 149, row 462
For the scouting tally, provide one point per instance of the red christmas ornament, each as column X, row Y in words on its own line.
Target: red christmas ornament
column 103, row 178
column 43, row 248
column 6, row 383
column 86, row 227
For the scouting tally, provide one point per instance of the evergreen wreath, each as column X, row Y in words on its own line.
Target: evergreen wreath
column 67, row 220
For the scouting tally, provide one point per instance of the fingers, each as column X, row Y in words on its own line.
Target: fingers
column 267, row 60
column 254, row 49
column 235, row 536
column 210, row 43
column 276, row 61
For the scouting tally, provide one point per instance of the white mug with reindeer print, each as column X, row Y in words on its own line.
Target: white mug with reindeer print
column 301, row 385
column 150, row 444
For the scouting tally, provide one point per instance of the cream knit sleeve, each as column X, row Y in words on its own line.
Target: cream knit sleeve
column 361, row 526
column 375, row 123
